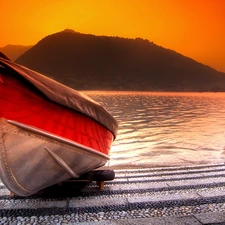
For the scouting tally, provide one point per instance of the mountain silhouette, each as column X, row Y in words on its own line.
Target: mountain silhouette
column 89, row 62
column 14, row 51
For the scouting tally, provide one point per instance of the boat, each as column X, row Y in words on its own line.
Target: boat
column 49, row 133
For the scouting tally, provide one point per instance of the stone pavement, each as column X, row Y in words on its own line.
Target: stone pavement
column 168, row 195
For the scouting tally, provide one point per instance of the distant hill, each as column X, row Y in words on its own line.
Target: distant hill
column 89, row 62
column 14, row 51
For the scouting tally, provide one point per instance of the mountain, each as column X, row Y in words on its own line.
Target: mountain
column 89, row 62
column 14, row 51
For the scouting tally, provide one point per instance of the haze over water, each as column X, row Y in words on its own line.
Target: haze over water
column 162, row 129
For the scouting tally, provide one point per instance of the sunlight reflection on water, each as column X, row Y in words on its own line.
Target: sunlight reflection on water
column 166, row 128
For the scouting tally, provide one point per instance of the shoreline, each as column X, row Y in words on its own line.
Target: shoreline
column 158, row 166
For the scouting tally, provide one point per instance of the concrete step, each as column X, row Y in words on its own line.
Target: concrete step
column 140, row 196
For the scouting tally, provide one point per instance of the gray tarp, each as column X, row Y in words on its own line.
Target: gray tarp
column 64, row 95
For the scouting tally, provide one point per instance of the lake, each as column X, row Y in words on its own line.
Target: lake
column 166, row 129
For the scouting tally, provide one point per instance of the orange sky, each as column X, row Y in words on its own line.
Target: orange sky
column 194, row 28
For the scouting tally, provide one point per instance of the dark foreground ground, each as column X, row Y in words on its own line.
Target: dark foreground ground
column 170, row 195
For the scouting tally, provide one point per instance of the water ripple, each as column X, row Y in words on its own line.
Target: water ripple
column 166, row 128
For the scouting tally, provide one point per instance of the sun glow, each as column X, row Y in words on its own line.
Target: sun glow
column 192, row 28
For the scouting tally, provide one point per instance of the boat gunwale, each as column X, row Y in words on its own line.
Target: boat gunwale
column 58, row 138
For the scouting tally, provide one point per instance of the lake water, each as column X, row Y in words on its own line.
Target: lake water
column 161, row 129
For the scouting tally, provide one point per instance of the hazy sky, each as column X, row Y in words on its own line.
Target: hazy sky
column 194, row 28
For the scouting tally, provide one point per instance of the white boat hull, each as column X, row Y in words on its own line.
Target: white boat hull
column 31, row 160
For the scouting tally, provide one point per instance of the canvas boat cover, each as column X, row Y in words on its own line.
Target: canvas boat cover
column 64, row 95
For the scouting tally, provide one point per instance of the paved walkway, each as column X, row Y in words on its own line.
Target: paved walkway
column 170, row 195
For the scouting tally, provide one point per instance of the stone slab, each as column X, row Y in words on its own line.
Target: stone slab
column 31, row 204
column 158, row 197
column 211, row 218
column 214, row 193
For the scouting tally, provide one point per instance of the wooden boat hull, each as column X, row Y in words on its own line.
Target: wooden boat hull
column 23, row 103
column 27, row 166
column 48, row 132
